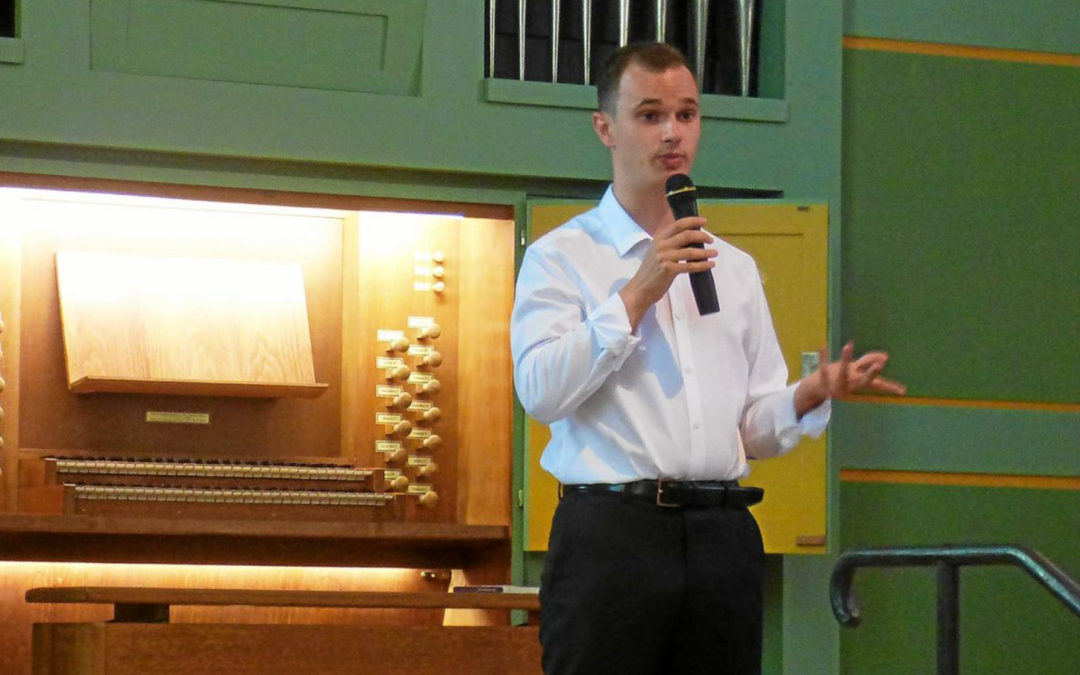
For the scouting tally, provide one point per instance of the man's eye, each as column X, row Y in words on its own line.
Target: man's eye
column 687, row 115
column 650, row 116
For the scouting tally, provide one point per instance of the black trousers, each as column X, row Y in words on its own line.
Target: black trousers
column 632, row 588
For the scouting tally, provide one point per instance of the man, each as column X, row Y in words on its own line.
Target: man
column 655, row 564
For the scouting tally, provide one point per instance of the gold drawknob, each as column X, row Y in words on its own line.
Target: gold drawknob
column 399, row 455
column 438, row 256
column 438, row 271
column 398, row 372
column 438, row 286
column 1, row 325
column 2, row 384
column 432, row 387
column 434, row 359
column 430, row 332
column 398, row 345
column 429, row 499
column 402, row 400
column 432, row 415
column 1, row 414
column 428, row 469
column 431, row 442
column 399, row 484
column 402, row 428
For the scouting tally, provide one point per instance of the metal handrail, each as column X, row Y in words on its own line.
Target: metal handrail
column 948, row 560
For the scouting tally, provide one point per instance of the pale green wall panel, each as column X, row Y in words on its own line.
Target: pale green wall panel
column 1035, row 25
column 370, row 46
column 956, row 439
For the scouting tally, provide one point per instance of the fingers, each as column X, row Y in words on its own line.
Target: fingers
column 842, row 379
column 887, row 386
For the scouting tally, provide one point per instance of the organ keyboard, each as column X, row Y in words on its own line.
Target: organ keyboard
column 189, row 488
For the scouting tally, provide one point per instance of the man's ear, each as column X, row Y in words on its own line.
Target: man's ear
column 601, row 123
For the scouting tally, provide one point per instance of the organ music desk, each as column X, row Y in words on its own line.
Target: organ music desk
column 140, row 640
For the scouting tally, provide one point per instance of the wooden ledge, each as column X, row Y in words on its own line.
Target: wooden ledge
column 246, row 542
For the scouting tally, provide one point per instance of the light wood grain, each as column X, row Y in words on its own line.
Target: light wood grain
column 11, row 313
column 485, row 379
column 119, row 649
column 128, row 595
column 157, row 319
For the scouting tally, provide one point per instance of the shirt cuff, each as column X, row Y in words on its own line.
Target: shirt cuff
column 790, row 429
column 610, row 324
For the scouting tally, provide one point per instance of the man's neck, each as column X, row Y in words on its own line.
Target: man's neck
column 647, row 206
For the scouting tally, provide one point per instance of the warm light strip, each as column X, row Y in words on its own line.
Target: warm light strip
column 961, row 51
column 959, row 479
column 958, row 403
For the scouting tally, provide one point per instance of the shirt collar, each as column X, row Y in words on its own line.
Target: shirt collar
column 623, row 231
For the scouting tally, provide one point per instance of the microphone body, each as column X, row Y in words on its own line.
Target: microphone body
column 682, row 197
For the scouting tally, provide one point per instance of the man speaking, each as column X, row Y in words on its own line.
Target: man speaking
column 654, row 566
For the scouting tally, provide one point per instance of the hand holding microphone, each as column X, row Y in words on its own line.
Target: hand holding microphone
column 678, row 248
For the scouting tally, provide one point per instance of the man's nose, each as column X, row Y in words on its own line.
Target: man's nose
column 671, row 129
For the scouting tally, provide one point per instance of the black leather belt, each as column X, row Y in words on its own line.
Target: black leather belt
column 674, row 493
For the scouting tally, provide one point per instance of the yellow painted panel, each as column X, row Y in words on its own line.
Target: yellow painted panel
column 789, row 244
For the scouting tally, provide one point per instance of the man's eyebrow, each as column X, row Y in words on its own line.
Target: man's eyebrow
column 656, row 101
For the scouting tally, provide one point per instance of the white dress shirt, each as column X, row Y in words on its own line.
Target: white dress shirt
column 688, row 397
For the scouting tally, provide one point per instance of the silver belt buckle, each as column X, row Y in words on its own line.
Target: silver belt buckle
column 660, row 495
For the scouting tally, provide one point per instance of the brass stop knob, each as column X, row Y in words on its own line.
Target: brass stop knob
column 398, row 373
column 430, row 332
column 397, row 345
column 432, row 442
column 402, row 428
column 434, row 359
column 429, row 499
column 432, row 387
column 438, row 286
column 432, row 415
column 402, row 400
column 399, row 484
column 428, row 469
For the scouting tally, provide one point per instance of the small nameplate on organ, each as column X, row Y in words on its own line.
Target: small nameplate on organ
column 420, row 321
column 417, row 432
column 420, row 378
column 387, row 335
column 418, row 460
column 387, row 447
column 421, row 405
column 420, row 350
column 388, row 362
column 421, row 271
column 387, row 418
column 391, row 474
column 387, row 391
column 422, row 256
column 419, row 488
column 158, row 417
column 421, row 286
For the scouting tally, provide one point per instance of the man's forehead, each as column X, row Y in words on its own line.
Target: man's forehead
column 639, row 85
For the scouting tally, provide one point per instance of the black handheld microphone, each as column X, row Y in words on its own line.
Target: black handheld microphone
column 682, row 197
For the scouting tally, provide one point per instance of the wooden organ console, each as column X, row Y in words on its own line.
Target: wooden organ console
column 219, row 383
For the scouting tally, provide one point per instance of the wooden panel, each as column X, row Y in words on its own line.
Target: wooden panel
column 115, row 425
column 367, row 46
column 156, row 320
column 249, row 650
column 10, row 313
column 485, row 380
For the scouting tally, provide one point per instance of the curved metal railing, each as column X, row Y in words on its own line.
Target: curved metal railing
column 948, row 560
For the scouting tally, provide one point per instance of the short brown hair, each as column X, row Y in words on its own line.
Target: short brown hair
column 655, row 57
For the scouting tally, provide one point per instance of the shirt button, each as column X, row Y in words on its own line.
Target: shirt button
column 678, row 317
column 697, row 425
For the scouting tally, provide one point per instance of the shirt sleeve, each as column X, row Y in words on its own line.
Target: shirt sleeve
column 562, row 351
column 770, row 426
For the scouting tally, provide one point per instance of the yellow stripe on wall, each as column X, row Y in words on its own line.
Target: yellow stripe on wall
column 960, row 403
column 963, row 52
column 959, row 479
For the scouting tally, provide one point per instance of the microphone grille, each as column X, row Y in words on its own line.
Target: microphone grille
column 678, row 184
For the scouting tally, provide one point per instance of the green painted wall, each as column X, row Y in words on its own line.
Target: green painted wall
column 1009, row 624
column 961, row 235
column 1036, row 25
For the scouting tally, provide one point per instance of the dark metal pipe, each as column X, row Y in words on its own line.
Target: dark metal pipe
column 948, row 619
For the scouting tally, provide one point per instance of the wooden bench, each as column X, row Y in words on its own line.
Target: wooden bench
column 141, row 641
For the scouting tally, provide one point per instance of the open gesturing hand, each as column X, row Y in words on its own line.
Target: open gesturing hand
column 836, row 380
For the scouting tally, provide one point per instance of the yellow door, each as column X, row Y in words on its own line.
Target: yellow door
column 790, row 244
